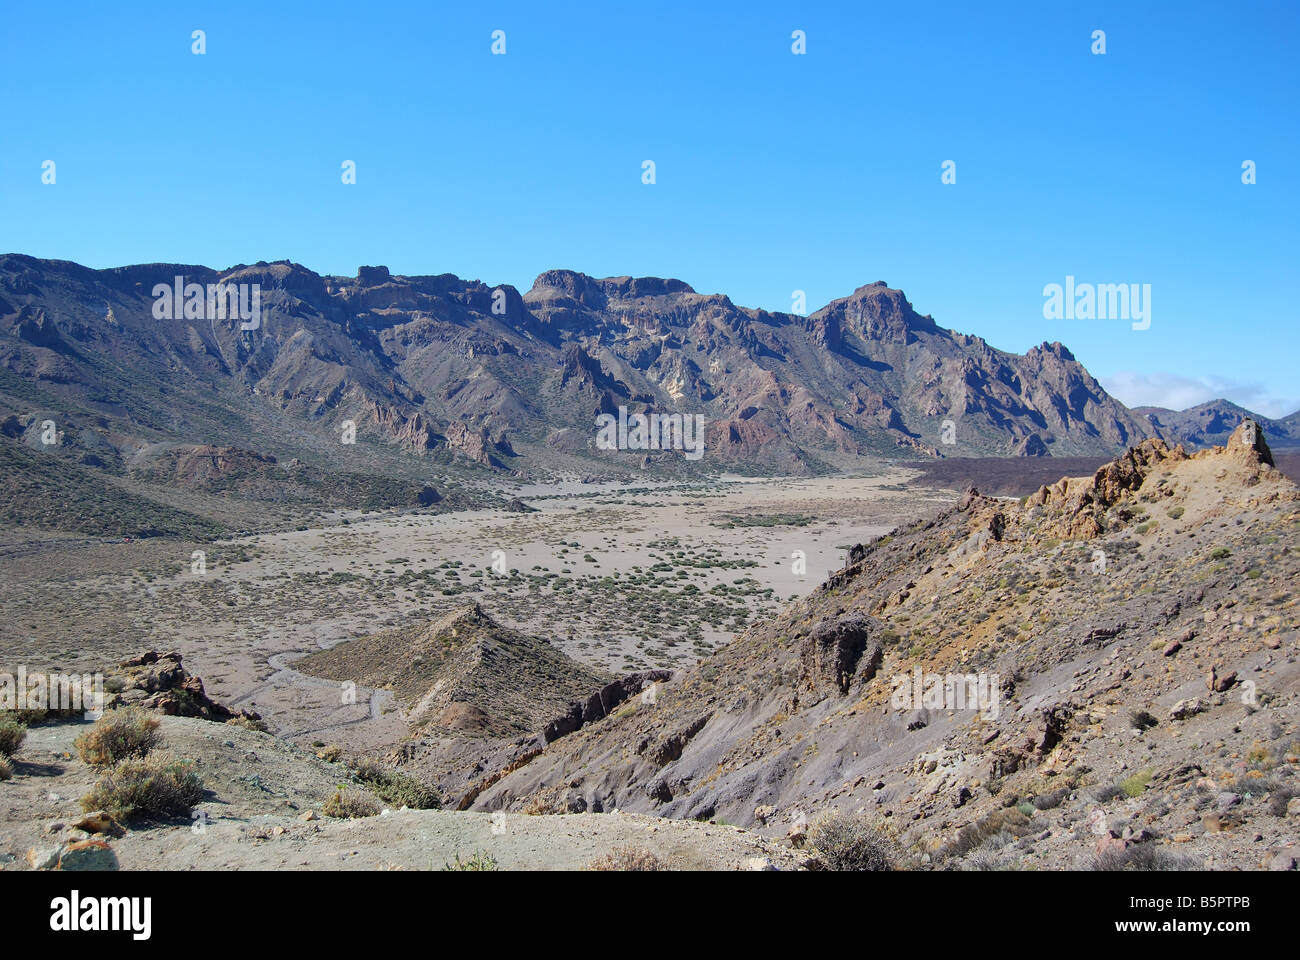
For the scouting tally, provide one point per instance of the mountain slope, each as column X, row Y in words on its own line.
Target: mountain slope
column 1160, row 584
column 453, row 370
column 1211, row 423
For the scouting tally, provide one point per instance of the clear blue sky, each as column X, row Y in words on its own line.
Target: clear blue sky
column 775, row 172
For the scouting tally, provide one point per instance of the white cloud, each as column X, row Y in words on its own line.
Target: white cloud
column 1178, row 392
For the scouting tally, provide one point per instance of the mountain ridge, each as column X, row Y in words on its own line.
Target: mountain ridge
column 435, row 365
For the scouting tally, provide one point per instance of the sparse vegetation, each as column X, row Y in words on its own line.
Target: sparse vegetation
column 396, row 788
column 629, row 858
column 148, row 788
column 852, row 842
column 477, row 862
column 347, row 804
column 1143, row 856
column 12, row 734
column 1135, row 785
column 125, row 733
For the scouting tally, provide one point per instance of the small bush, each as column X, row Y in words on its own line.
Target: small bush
column 151, row 788
column 1143, row 856
column 1135, row 785
column 1142, row 720
column 851, row 842
column 477, row 862
column 248, row 723
column 12, row 735
column 628, row 858
column 1107, row 793
column 1279, row 797
column 971, row 837
column 395, row 788
column 6, row 770
column 331, row 753
column 1050, row 801
column 350, row 805
column 127, row 733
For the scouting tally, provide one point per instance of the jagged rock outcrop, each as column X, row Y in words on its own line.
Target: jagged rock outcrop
column 159, row 682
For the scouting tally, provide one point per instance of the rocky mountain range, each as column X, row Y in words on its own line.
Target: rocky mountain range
column 462, row 373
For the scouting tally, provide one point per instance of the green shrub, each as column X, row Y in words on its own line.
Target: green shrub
column 477, row 862
column 149, row 788
column 126, row 733
column 395, row 788
column 1135, row 785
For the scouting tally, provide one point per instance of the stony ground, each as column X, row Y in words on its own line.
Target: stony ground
column 260, row 792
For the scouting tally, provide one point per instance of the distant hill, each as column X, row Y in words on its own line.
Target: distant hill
column 462, row 673
column 1211, row 423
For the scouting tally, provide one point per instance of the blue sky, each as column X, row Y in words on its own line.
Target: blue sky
column 774, row 172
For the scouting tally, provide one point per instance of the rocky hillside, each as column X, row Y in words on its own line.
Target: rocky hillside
column 1131, row 644
column 435, row 367
column 1211, row 423
column 461, row 673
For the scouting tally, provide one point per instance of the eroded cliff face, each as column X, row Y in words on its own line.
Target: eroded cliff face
column 438, row 363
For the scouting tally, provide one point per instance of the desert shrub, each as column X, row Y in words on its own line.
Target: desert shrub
column 248, row 723
column 1143, row 856
column 973, row 836
column 126, row 733
column 1135, row 785
column 478, row 861
column 1050, row 801
column 147, row 788
column 331, row 753
column 1107, row 793
column 851, row 842
column 628, row 858
column 6, row 770
column 12, row 735
column 1278, row 797
column 1142, row 720
column 350, row 805
column 394, row 787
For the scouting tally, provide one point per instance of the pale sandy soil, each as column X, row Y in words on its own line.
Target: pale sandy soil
column 265, row 600
column 258, row 790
